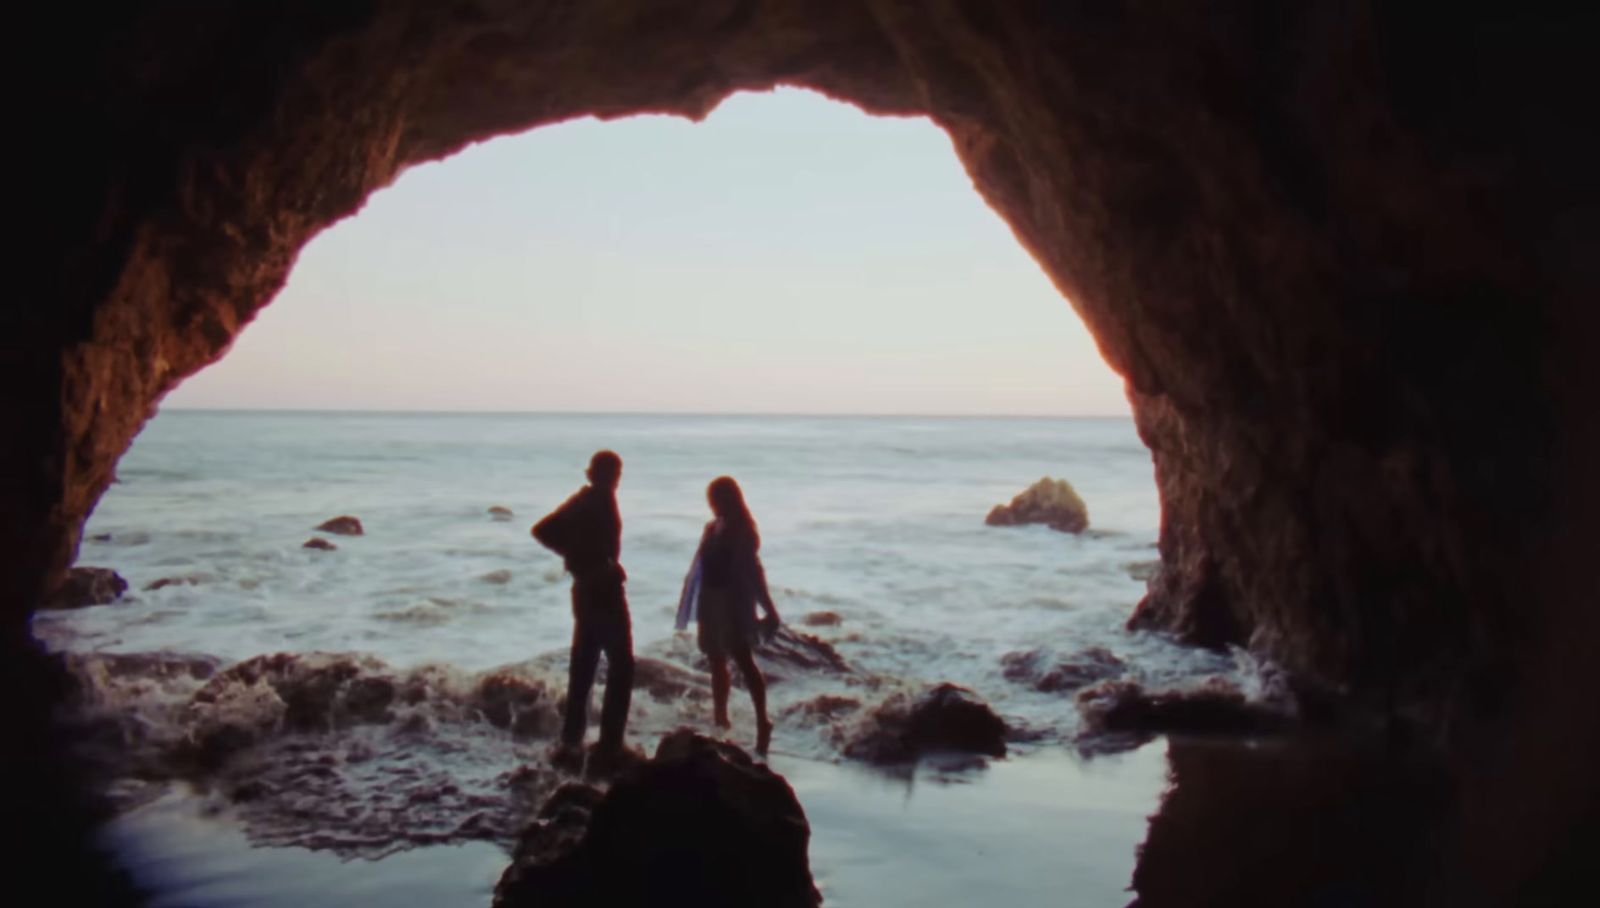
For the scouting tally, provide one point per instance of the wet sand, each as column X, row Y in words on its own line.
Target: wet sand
column 1036, row 829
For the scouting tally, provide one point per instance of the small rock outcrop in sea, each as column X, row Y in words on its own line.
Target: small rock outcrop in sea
column 85, row 586
column 318, row 543
column 1215, row 706
column 700, row 824
column 820, row 619
column 946, row 718
column 1042, row 671
column 500, row 577
column 343, row 525
column 500, row 512
column 1052, row 502
column 185, row 580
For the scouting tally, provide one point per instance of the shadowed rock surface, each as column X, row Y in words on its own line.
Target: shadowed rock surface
column 1342, row 254
column 700, row 824
column 1052, row 502
column 85, row 586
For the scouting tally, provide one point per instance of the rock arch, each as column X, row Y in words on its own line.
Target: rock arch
column 1339, row 252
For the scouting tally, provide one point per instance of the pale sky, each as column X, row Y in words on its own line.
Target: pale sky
column 788, row 255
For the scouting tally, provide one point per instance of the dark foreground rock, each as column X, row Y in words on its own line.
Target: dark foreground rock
column 700, row 824
column 1216, row 706
column 343, row 525
column 1052, row 502
column 946, row 718
column 85, row 586
column 1042, row 671
column 318, row 543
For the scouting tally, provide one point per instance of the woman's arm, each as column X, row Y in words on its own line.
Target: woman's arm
column 758, row 582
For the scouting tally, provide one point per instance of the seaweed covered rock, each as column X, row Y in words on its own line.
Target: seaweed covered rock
column 85, row 586
column 945, row 718
column 1052, row 502
column 700, row 824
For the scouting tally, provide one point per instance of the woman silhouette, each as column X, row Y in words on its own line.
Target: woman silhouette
column 725, row 584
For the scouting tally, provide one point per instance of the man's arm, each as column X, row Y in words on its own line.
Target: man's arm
column 554, row 530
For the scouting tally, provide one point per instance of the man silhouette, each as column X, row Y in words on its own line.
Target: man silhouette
column 586, row 532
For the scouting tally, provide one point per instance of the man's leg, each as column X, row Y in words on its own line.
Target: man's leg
column 580, row 677
column 618, row 645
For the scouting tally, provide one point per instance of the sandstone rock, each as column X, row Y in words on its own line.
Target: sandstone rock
column 1039, row 669
column 700, row 824
column 344, row 525
column 820, row 619
column 85, row 586
column 943, row 718
column 500, row 512
column 1052, row 502
column 318, row 543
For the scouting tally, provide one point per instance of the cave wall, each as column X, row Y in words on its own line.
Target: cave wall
column 1339, row 251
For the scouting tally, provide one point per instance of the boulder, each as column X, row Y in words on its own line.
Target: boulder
column 1216, row 705
column 820, row 619
column 318, row 543
column 85, row 586
column 1052, row 502
column 700, row 824
column 1038, row 669
column 343, row 525
column 498, row 578
column 500, row 512
column 945, row 718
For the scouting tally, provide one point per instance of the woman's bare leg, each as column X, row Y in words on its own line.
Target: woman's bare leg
column 721, row 681
column 757, row 684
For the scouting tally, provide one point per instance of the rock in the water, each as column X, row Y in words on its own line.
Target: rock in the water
column 498, row 578
column 517, row 703
column 164, row 582
column 1215, row 706
column 800, row 652
column 318, row 543
column 500, row 512
column 700, row 824
column 944, row 718
column 1052, row 502
column 1038, row 669
column 820, row 619
column 84, row 586
column 343, row 525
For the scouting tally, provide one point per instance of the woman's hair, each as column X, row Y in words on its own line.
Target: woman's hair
column 727, row 502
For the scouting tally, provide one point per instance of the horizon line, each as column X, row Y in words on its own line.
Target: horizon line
column 739, row 413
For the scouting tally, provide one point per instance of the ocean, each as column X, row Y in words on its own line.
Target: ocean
column 879, row 520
